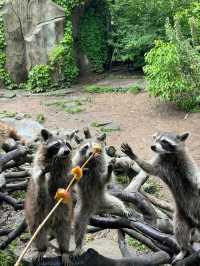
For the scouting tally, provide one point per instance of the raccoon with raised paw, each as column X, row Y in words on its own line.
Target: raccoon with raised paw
column 93, row 196
column 174, row 165
column 51, row 170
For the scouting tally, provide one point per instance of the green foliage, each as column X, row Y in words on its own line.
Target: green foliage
column 72, row 106
column 39, row 79
column 93, row 35
column 62, row 56
column 173, row 70
column 134, row 89
column 136, row 24
column 6, row 259
column 4, row 76
column 137, row 245
column 107, row 89
column 40, row 118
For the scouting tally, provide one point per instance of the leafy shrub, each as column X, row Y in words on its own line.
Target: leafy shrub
column 173, row 70
column 39, row 79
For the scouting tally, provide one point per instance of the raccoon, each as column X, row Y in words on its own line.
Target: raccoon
column 93, row 197
column 51, row 170
column 7, row 131
column 174, row 165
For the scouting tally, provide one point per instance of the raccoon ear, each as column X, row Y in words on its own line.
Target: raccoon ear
column 184, row 136
column 45, row 134
column 155, row 135
column 102, row 137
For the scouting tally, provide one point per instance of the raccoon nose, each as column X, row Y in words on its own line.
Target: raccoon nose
column 153, row 147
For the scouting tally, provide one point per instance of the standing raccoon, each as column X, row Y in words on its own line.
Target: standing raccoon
column 93, row 196
column 177, row 169
column 51, row 170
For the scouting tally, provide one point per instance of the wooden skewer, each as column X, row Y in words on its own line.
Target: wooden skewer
column 49, row 215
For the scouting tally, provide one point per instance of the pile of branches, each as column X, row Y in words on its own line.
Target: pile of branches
column 150, row 224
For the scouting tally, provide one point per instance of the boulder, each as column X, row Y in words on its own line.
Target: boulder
column 32, row 29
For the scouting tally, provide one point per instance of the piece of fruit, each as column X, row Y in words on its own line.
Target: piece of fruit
column 96, row 148
column 77, row 172
column 63, row 194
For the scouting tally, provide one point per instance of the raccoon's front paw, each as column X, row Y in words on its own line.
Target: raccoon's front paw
column 66, row 261
column 78, row 252
column 38, row 258
column 126, row 149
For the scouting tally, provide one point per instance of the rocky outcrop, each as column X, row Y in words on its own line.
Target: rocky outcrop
column 32, row 27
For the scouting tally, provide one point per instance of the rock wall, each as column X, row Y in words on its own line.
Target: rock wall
column 33, row 28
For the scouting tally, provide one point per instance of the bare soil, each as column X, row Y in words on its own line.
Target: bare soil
column 138, row 116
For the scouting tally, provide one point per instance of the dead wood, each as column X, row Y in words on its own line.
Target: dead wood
column 17, row 205
column 14, row 234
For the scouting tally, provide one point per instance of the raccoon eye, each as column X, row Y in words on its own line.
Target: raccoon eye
column 56, row 145
column 164, row 141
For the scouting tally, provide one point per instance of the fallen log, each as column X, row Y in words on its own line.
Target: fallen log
column 144, row 228
column 11, row 201
column 93, row 258
column 14, row 234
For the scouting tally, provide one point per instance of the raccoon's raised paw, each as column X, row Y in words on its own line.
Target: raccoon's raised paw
column 66, row 261
column 38, row 258
column 126, row 149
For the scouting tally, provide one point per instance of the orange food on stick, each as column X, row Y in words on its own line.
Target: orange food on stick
column 77, row 172
column 62, row 194
column 97, row 148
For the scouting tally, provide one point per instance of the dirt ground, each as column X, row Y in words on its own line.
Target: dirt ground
column 137, row 115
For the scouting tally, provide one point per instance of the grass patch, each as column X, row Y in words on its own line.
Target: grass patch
column 7, row 114
column 137, row 245
column 71, row 106
column 6, row 259
column 153, row 187
column 109, row 130
column 19, row 194
column 40, row 118
column 134, row 89
column 123, row 180
column 7, row 256
column 107, row 89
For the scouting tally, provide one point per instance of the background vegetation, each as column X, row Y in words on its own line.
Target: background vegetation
column 162, row 37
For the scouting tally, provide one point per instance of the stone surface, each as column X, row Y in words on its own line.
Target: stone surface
column 32, row 28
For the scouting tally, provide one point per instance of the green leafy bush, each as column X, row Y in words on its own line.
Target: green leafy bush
column 39, row 79
column 172, row 70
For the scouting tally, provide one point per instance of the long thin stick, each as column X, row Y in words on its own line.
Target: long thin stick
column 48, row 216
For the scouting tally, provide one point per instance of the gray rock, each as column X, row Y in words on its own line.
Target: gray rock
column 32, row 29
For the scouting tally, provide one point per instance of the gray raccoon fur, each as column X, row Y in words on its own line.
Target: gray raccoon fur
column 51, row 168
column 174, row 165
column 93, row 197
